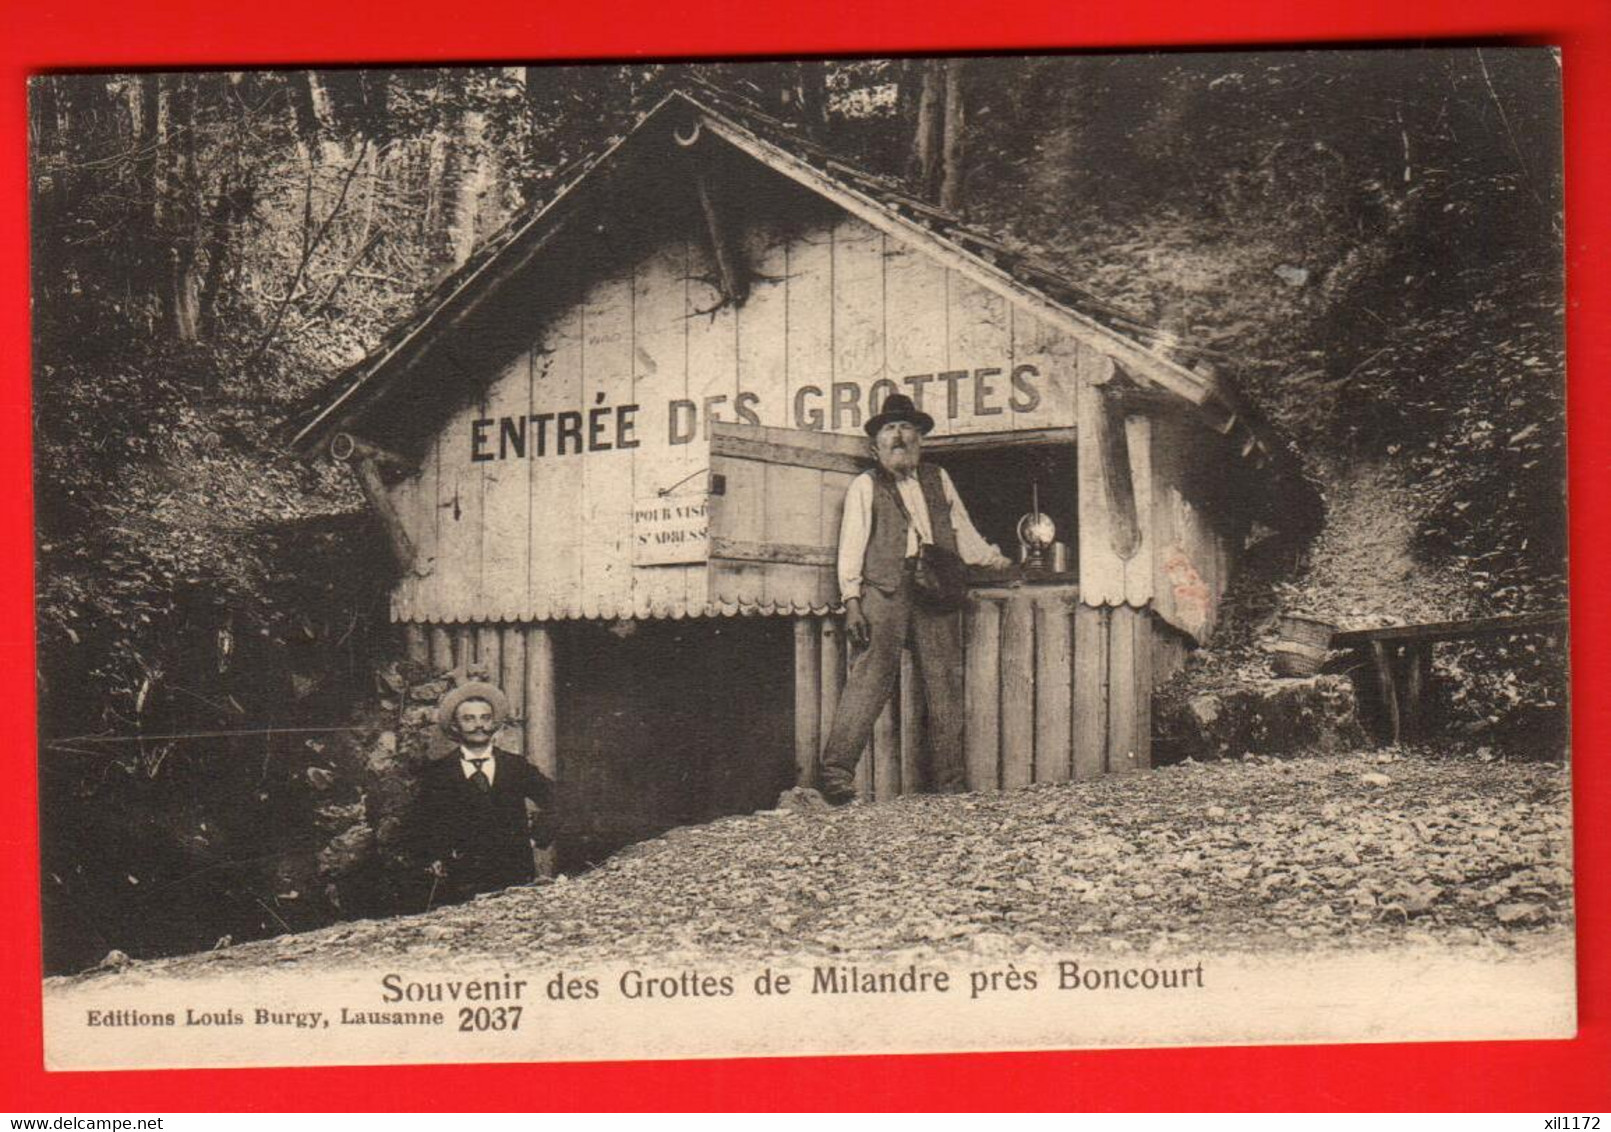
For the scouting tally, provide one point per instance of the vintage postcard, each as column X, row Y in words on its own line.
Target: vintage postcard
column 804, row 557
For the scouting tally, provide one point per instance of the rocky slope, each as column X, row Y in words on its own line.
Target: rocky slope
column 1363, row 849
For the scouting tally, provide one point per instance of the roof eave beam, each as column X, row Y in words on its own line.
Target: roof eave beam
column 732, row 280
column 366, row 460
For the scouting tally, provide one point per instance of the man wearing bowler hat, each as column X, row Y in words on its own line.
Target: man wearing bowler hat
column 473, row 802
column 890, row 513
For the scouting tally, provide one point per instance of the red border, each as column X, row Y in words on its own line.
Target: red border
column 1572, row 1076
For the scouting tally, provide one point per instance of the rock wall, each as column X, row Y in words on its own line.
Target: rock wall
column 371, row 865
column 1267, row 717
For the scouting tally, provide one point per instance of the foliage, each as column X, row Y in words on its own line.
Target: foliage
column 1368, row 241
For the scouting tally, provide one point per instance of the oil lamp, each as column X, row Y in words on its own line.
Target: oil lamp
column 1036, row 535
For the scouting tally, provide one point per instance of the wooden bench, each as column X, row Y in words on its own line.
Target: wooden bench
column 1402, row 657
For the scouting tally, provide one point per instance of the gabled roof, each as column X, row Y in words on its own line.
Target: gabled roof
column 881, row 202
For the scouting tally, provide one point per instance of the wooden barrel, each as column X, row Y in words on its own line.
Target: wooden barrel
column 1302, row 644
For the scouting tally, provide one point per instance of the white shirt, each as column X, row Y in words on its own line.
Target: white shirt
column 857, row 524
column 489, row 765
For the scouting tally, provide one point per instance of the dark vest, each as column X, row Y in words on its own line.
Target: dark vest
column 885, row 563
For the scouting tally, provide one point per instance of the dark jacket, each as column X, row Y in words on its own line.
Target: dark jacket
column 482, row 837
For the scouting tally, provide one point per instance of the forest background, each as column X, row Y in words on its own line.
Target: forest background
column 1367, row 242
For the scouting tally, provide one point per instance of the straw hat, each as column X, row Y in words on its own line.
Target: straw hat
column 472, row 690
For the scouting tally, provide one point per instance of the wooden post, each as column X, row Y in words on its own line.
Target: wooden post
column 1415, row 669
column 1139, row 551
column 729, row 271
column 1382, row 656
column 1018, row 692
column 1102, row 569
column 734, row 286
column 441, row 648
column 1420, row 675
column 1090, row 723
column 982, row 693
column 1141, row 699
column 366, row 461
column 833, row 679
column 542, row 725
column 1113, row 446
column 1054, row 678
column 463, row 646
column 416, row 643
column 913, row 776
column 807, row 699
column 885, row 750
column 488, row 654
column 512, row 648
column 1129, row 690
column 1121, row 692
column 542, row 721
column 374, row 489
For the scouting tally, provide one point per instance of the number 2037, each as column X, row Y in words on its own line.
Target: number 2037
column 476, row 1018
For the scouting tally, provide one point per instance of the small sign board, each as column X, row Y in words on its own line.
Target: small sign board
column 670, row 530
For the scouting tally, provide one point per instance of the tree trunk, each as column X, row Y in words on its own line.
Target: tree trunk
column 234, row 204
column 465, row 177
column 925, row 163
column 174, row 206
column 952, row 134
column 146, row 244
column 811, row 94
column 305, row 99
column 42, row 113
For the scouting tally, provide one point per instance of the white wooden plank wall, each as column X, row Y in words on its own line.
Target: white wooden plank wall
column 660, row 305
column 841, row 305
column 606, row 528
column 807, row 353
column 556, row 517
column 506, row 502
column 790, row 495
column 458, row 570
column 979, row 342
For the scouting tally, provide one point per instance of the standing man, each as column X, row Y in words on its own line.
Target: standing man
column 472, row 806
column 890, row 513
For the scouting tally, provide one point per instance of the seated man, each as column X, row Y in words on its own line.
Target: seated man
column 472, row 804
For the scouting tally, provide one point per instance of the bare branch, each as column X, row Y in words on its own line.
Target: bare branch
column 307, row 255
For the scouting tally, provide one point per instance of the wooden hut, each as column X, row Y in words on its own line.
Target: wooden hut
column 611, row 452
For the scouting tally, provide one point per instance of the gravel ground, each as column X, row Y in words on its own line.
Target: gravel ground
column 1368, row 849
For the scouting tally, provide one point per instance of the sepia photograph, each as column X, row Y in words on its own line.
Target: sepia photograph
column 824, row 556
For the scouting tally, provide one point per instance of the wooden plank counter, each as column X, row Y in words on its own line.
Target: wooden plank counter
column 1018, row 681
column 1052, row 691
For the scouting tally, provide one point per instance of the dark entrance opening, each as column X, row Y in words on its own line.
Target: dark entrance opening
column 668, row 723
column 999, row 484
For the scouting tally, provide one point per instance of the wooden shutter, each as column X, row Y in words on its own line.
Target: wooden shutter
column 776, row 495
